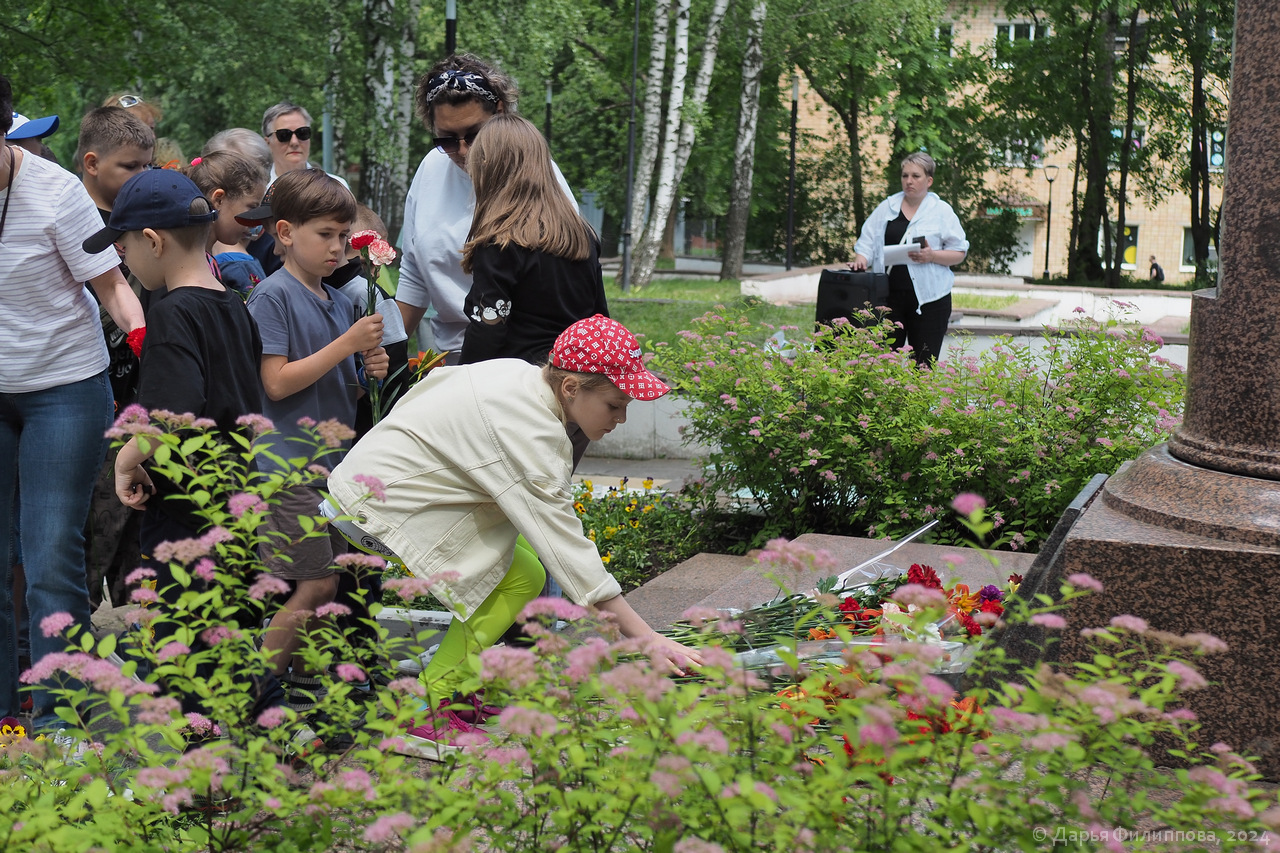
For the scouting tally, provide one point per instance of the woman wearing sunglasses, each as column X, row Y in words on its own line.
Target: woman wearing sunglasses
column 455, row 98
column 287, row 129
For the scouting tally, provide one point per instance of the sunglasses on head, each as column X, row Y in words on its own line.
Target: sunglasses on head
column 452, row 144
column 127, row 101
column 284, row 134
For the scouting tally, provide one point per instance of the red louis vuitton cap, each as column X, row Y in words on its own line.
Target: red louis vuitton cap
column 601, row 345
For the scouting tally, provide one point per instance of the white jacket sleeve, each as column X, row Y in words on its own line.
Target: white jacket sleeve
column 543, row 513
column 953, row 236
column 871, row 241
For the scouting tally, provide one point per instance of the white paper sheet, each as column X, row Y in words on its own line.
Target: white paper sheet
column 897, row 253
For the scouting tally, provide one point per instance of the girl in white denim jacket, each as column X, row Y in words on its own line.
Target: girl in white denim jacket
column 919, row 291
column 467, row 483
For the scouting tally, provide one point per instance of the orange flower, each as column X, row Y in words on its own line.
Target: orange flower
column 962, row 599
column 821, row 634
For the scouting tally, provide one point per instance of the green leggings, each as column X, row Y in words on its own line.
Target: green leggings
column 522, row 584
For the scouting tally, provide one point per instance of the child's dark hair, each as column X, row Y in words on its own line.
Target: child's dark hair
column 106, row 129
column 193, row 236
column 6, row 105
column 306, row 194
column 235, row 175
column 495, row 88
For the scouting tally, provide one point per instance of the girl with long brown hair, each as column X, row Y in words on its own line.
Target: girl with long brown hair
column 533, row 259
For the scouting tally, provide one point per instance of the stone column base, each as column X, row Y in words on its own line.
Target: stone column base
column 1191, row 550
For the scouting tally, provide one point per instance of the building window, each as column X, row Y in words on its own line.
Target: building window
column 945, row 34
column 1121, row 45
column 1139, row 140
column 1020, row 154
column 1130, row 260
column 1020, row 32
column 1187, row 263
column 1008, row 34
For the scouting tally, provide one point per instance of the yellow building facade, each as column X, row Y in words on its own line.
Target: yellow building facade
column 1162, row 229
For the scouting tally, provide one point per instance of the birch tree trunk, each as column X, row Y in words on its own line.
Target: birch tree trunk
column 650, row 131
column 681, row 128
column 735, row 239
column 391, row 34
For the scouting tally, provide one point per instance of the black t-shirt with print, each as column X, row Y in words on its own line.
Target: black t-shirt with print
column 522, row 299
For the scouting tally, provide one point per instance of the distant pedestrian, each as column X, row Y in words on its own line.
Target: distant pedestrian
column 1157, row 271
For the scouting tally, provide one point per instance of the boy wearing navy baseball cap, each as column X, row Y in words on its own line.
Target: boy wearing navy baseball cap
column 199, row 357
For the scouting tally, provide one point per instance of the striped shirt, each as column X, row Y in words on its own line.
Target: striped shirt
column 50, row 334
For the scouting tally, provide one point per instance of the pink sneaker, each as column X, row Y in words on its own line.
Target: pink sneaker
column 472, row 708
column 437, row 737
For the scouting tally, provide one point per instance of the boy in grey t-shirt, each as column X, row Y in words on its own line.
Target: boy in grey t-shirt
column 310, row 340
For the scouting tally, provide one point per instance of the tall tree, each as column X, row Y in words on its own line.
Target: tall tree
column 647, row 247
column 744, row 148
column 683, row 118
column 1135, row 49
column 1061, row 83
column 647, row 152
column 1196, row 36
column 391, row 36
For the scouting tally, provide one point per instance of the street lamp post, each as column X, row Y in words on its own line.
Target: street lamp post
column 1050, row 175
column 791, row 181
column 450, row 27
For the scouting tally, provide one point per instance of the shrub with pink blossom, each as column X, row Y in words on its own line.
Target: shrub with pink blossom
column 840, row 434
column 595, row 750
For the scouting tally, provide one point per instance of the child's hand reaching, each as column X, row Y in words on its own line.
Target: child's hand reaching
column 376, row 363
column 365, row 334
column 670, row 656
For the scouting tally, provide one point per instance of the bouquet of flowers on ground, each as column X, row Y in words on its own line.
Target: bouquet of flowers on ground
column 826, row 623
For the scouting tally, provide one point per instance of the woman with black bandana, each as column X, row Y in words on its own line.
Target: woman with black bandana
column 455, row 98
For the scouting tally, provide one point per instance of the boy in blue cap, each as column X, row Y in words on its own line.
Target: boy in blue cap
column 201, row 351
column 29, row 133
column 200, row 354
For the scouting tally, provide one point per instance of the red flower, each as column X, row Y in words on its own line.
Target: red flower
column 992, row 606
column 924, row 576
column 850, row 605
column 362, row 239
column 974, row 629
column 1015, row 578
column 134, row 340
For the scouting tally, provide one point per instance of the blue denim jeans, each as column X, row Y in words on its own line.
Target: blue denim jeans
column 51, row 445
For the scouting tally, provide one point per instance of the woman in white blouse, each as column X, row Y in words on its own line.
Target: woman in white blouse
column 919, row 291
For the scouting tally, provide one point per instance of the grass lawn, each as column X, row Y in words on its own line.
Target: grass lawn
column 668, row 305
column 978, row 302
